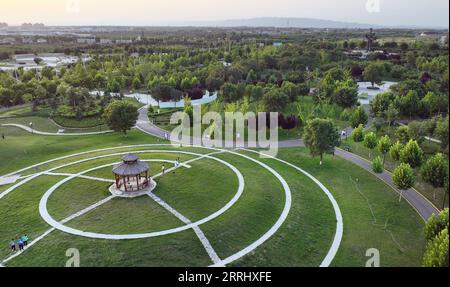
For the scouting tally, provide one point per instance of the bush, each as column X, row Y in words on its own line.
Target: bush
column 377, row 165
column 394, row 151
column 358, row 134
column 436, row 224
column 412, row 154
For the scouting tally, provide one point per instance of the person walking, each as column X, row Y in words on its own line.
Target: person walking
column 163, row 168
column 20, row 244
column 25, row 240
column 12, row 245
column 176, row 163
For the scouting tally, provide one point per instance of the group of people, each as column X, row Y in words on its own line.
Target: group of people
column 19, row 244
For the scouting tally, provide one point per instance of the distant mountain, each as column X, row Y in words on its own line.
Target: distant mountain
column 281, row 23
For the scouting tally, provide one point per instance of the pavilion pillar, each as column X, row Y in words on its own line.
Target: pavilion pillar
column 125, row 184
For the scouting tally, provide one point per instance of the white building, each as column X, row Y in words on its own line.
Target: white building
column 89, row 41
column 106, row 41
column 124, row 41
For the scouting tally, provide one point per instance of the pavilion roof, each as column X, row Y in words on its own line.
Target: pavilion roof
column 130, row 166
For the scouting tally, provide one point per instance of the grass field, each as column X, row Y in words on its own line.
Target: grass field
column 373, row 218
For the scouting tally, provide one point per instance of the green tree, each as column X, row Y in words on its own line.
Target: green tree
column 402, row 134
column 436, row 253
column 359, row 117
column 435, row 171
column 136, row 84
column 275, row 100
column 377, row 165
column 404, row 178
column 358, row 134
column 392, row 114
column 412, row 154
column 395, row 150
column 384, row 145
column 320, row 135
column 370, row 142
column 374, row 73
column 436, row 224
column 442, row 132
column 345, row 96
column 120, row 116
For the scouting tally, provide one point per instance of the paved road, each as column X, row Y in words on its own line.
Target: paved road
column 423, row 206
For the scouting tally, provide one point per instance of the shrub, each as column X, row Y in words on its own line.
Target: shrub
column 358, row 134
column 377, row 165
column 412, row 154
column 394, row 151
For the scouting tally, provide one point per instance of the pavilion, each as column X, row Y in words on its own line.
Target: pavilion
column 131, row 175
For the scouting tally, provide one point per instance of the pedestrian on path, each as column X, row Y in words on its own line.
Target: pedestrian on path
column 177, row 163
column 12, row 245
column 163, row 168
column 20, row 244
column 25, row 240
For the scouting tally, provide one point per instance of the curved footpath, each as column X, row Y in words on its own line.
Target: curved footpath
column 419, row 202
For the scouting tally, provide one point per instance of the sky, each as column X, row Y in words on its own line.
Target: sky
column 427, row 13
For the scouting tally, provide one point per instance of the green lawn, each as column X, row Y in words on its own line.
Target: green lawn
column 303, row 240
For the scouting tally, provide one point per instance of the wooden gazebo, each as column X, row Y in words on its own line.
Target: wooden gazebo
column 132, row 174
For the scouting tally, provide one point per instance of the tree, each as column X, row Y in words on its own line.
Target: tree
column 320, row 136
column 404, row 178
column 358, row 134
column 402, row 134
column 416, row 131
column 384, row 145
column 408, row 104
column 412, row 154
column 345, row 96
column 436, row 224
column 442, row 132
column 394, row 151
column 120, row 116
column 275, row 100
column 359, row 117
column 377, row 165
column 436, row 253
column 392, row 114
column 374, row 73
column 370, row 142
column 435, row 171
column 136, row 83
column 381, row 103
column 435, row 103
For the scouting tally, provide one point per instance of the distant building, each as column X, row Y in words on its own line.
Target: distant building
column 41, row 41
column 27, row 40
column 8, row 41
column 89, row 41
column 124, row 41
column 106, row 41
